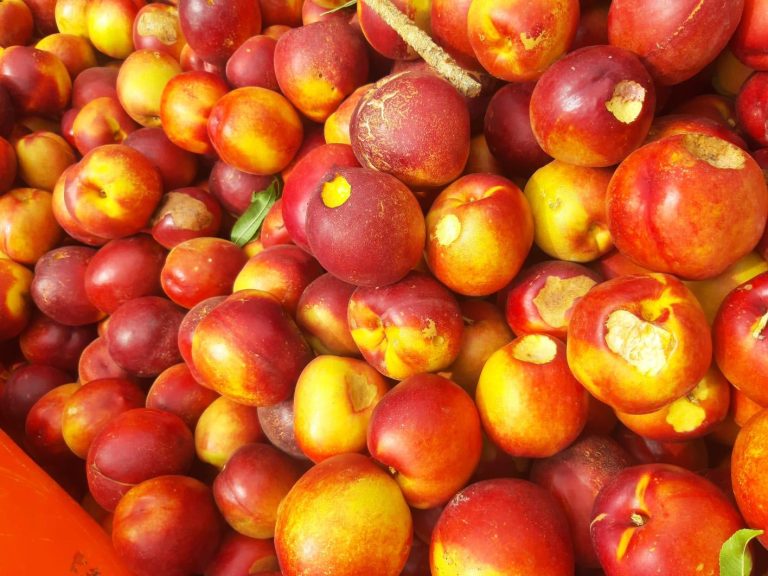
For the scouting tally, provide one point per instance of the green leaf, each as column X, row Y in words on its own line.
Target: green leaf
column 735, row 557
column 342, row 7
column 249, row 224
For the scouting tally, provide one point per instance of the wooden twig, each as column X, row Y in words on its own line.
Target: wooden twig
column 424, row 46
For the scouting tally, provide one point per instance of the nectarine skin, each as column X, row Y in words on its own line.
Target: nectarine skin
column 112, row 191
column 575, row 477
column 505, row 526
column 347, row 517
column 405, row 328
column 136, row 445
column 616, row 99
column 319, row 65
column 413, row 125
column 249, row 349
column 479, row 233
column 636, row 512
column 151, row 531
column 383, row 224
column 517, row 40
column 748, row 473
column 738, row 339
column 427, row 430
column 689, row 205
column 255, row 115
column 675, row 41
column 529, row 402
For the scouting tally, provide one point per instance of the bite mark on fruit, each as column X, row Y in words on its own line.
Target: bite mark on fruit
column 531, row 41
column 187, row 212
column 447, row 230
column 535, row 349
column 160, row 24
column 714, row 151
column 686, row 414
column 430, row 331
column 627, row 100
column 641, row 344
column 360, row 391
column 336, row 192
column 558, row 295
column 601, row 236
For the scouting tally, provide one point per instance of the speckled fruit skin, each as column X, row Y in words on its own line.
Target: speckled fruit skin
column 748, row 472
column 93, row 406
column 406, row 328
column 142, row 335
column 485, row 331
column 200, row 268
column 248, row 349
column 101, row 121
column 413, row 125
column 738, row 338
column 530, row 404
column 689, row 205
column 319, row 65
column 347, row 517
column 523, row 516
column 479, row 232
column 223, row 427
column 383, row 224
column 427, row 428
column 58, row 286
column 674, row 40
column 616, row 106
column 637, row 511
column 28, row 228
column 610, row 354
column 448, row 22
column 141, row 81
column 516, row 40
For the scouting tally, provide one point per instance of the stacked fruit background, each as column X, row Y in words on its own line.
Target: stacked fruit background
column 447, row 287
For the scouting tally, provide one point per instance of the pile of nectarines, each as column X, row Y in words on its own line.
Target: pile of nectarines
column 382, row 288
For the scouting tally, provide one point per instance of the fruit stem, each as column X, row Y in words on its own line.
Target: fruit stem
column 433, row 55
column 637, row 519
